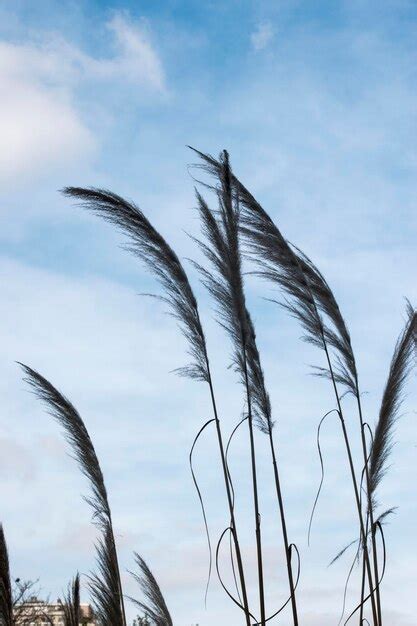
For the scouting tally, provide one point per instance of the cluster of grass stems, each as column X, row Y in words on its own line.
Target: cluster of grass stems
column 237, row 227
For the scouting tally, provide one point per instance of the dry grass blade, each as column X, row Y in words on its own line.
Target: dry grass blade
column 154, row 604
column 146, row 243
column 105, row 587
column 6, row 596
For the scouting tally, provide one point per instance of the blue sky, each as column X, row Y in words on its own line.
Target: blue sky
column 316, row 103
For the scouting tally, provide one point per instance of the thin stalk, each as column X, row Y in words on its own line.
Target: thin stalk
column 370, row 512
column 363, row 579
column 355, row 487
column 376, row 569
column 230, row 501
column 284, row 530
column 350, row 459
column 255, row 492
column 362, row 592
column 351, row 465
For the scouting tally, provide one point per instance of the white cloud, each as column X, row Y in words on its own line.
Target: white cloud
column 136, row 59
column 262, row 36
column 40, row 127
column 40, row 122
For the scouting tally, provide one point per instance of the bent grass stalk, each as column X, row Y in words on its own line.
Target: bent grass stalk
column 269, row 246
column 226, row 286
column 226, row 245
column 147, row 243
column 106, row 586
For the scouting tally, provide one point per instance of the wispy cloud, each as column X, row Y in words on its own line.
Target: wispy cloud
column 136, row 57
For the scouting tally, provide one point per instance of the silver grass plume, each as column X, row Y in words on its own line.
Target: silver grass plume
column 225, row 284
column 105, row 586
column 307, row 291
column 221, row 246
column 6, row 596
column 400, row 367
column 71, row 603
column 146, row 243
column 154, row 604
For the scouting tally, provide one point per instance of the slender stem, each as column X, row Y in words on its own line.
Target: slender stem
column 349, row 452
column 230, row 501
column 363, row 578
column 376, row 569
column 355, row 486
column 255, row 492
column 369, row 506
column 362, row 529
column 362, row 592
column 284, row 530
